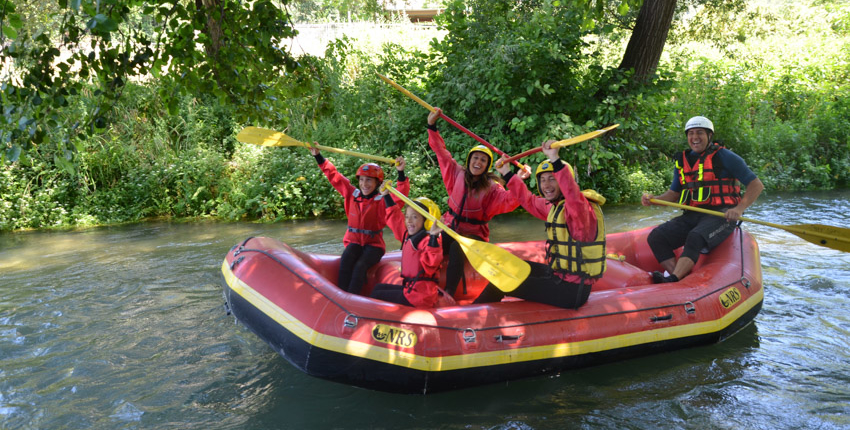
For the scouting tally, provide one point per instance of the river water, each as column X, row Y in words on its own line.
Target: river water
column 124, row 327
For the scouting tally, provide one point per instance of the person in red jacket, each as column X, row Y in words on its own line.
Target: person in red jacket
column 367, row 217
column 421, row 256
column 475, row 197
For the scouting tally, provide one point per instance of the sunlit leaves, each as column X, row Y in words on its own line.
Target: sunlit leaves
column 11, row 21
column 505, row 65
column 95, row 48
column 10, row 32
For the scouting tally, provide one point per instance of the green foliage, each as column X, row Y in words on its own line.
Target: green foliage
column 514, row 73
column 180, row 187
column 504, row 66
column 65, row 76
column 34, row 196
column 274, row 184
column 775, row 104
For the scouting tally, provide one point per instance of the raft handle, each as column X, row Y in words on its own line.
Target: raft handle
column 507, row 338
column 349, row 323
column 469, row 335
column 690, row 308
column 236, row 261
column 746, row 283
column 655, row 318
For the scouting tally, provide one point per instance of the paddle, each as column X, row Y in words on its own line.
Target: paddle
column 503, row 269
column 266, row 137
column 447, row 119
column 563, row 143
column 819, row 234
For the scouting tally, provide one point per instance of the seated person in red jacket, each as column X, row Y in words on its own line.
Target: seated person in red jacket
column 575, row 235
column 421, row 255
column 367, row 217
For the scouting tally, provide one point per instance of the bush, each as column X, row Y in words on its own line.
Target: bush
column 514, row 73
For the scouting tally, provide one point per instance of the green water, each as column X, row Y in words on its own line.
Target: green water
column 124, row 327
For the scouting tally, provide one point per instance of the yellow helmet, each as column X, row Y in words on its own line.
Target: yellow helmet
column 485, row 150
column 432, row 208
column 546, row 166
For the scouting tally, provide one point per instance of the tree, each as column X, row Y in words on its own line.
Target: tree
column 59, row 81
column 717, row 22
column 648, row 38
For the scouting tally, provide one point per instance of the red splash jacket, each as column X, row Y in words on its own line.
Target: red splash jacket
column 421, row 255
column 478, row 208
column 367, row 215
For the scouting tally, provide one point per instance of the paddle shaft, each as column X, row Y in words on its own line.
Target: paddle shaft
column 448, row 120
column 267, row 137
column 791, row 229
column 354, row 154
column 536, row 150
column 564, row 143
column 480, row 140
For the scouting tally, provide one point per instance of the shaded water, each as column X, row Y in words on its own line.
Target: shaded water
column 123, row 327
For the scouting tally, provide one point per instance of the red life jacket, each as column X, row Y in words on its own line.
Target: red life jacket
column 367, row 218
column 701, row 185
column 419, row 266
column 466, row 214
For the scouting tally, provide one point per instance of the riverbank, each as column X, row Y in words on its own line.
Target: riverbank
column 786, row 112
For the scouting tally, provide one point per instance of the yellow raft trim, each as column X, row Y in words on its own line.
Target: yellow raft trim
column 476, row 359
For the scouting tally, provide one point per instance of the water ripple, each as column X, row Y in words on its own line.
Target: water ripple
column 123, row 327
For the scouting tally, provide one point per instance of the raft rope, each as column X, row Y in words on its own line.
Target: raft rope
column 688, row 305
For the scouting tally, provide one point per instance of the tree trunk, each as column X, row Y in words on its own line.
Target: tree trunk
column 647, row 42
column 212, row 11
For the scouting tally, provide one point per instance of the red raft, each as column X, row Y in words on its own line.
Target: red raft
column 289, row 299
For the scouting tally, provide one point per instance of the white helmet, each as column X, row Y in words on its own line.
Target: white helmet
column 699, row 122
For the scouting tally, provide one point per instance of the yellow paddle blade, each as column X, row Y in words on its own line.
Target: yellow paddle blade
column 823, row 235
column 266, row 137
column 503, row 269
column 583, row 137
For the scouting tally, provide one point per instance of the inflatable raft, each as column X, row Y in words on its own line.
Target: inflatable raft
column 290, row 300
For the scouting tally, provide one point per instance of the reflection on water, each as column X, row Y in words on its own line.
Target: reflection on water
column 123, row 327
